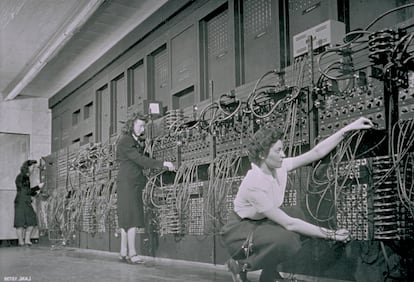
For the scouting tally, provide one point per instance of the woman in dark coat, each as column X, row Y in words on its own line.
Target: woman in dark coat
column 131, row 182
column 24, row 216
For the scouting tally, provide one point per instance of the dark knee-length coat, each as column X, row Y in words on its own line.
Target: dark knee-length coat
column 131, row 181
column 24, row 214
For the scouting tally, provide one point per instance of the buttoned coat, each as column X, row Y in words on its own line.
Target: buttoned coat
column 131, row 181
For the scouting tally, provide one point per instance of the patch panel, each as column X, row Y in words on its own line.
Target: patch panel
column 194, row 188
column 196, row 216
column 340, row 110
column 301, row 128
column 291, row 198
column 195, row 146
column 369, row 203
column 112, row 218
column 279, row 120
column 352, row 209
column 406, row 100
column 166, row 148
column 231, row 195
column 169, row 221
column 392, row 220
column 233, row 137
column 353, row 169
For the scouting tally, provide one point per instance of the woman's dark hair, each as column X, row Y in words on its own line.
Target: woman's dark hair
column 261, row 143
column 24, row 169
column 128, row 127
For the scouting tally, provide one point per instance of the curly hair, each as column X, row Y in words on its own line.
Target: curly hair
column 261, row 143
column 24, row 169
column 128, row 127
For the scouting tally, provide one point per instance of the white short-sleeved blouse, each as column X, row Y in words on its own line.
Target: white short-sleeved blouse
column 259, row 192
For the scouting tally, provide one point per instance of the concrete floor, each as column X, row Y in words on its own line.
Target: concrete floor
column 39, row 263
column 46, row 264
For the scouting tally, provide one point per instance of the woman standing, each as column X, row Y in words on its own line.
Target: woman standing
column 24, row 216
column 269, row 234
column 131, row 182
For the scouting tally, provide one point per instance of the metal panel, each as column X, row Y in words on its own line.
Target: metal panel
column 105, row 116
column 260, row 38
column 66, row 127
column 56, row 133
column 220, row 61
column 98, row 241
column 184, row 99
column 138, row 83
column 190, row 247
column 121, row 101
column 306, row 14
column 183, row 55
column 363, row 12
column 161, row 89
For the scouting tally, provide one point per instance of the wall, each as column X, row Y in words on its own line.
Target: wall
column 30, row 117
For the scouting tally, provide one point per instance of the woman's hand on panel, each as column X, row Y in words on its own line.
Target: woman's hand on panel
column 341, row 235
column 170, row 166
column 361, row 123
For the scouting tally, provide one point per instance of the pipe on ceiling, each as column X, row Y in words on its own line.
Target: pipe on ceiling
column 55, row 47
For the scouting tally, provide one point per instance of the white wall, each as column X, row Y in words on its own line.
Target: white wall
column 29, row 116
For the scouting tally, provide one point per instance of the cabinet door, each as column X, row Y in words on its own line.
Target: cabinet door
column 261, row 39
column 104, row 119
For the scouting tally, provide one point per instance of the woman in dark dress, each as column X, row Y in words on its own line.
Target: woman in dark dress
column 270, row 233
column 24, row 216
column 131, row 182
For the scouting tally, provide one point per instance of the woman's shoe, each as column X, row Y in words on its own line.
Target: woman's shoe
column 237, row 272
column 123, row 258
column 271, row 275
column 29, row 244
column 135, row 259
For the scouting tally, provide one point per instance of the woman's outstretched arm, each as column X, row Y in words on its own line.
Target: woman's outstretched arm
column 327, row 145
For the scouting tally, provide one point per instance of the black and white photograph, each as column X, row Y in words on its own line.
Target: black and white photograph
column 207, row 140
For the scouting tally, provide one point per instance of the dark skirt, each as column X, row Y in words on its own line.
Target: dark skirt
column 24, row 215
column 130, row 207
column 271, row 243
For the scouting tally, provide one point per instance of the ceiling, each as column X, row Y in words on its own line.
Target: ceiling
column 45, row 44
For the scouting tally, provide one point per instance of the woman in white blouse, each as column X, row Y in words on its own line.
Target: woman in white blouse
column 268, row 234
